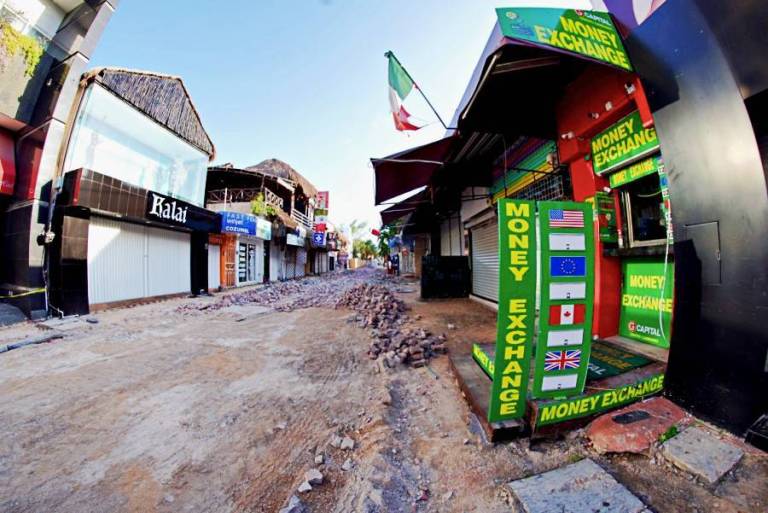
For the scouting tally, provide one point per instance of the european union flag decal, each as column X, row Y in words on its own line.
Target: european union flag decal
column 568, row 266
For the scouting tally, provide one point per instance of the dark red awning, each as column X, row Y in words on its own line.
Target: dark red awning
column 410, row 169
column 403, row 208
column 7, row 163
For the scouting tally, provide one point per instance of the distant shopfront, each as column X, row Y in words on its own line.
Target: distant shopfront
column 248, row 238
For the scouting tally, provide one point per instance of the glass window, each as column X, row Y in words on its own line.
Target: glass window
column 643, row 211
column 113, row 138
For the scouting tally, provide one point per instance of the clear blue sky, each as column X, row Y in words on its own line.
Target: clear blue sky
column 305, row 81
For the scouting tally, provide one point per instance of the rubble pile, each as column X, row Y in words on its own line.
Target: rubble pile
column 383, row 314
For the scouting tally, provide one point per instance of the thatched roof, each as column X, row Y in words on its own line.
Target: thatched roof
column 164, row 98
column 275, row 167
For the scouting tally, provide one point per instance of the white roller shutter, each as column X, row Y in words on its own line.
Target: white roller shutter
column 214, row 261
column 485, row 261
column 301, row 260
column 127, row 261
column 115, row 261
column 168, row 262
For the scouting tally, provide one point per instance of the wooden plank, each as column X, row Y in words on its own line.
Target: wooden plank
column 476, row 388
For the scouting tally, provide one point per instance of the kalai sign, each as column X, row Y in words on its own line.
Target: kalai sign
column 166, row 209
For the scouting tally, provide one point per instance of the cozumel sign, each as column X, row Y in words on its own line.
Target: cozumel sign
column 622, row 143
column 588, row 33
column 516, row 316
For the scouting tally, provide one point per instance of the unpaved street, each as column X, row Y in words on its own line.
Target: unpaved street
column 184, row 406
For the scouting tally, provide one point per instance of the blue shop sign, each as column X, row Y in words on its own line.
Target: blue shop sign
column 237, row 222
column 318, row 239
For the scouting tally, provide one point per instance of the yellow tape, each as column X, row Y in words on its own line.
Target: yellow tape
column 29, row 293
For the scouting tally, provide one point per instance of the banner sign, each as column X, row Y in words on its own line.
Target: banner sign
column 637, row 170
column 263, row 229
column 565, row 313
column 238, row 222
column 483, row 360
column 517, row 309
column 560, row 411
column 622, row 143
column 588, row 33
column 318, row 239
column 646, row 291
column 292, row 239
column 322, row 201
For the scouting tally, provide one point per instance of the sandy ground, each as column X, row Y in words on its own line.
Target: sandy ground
column 152, row 409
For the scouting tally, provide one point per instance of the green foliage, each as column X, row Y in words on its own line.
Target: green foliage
column 261, row 208
column 669, row 433
column 386, row 235
column 363, row 249
column 13, row 42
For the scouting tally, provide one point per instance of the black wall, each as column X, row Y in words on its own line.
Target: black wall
column 717, row 363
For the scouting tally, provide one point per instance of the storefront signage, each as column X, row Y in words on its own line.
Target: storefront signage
column 565, row 314
column 604, row 211
column 588, row 33
column 483, row 360
column 637, row 170
column 318, row 239
column 263, row 229
column 166, row 208
column 238, row 222
column 622, row 143
column 322, row 201
column 516, row 314
column 646, row 297
column 560, row 411
column 292, row 239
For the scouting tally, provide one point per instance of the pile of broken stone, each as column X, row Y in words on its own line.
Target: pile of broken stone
column 383, row 314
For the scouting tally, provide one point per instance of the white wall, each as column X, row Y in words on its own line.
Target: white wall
column 471, row 207
column 43, row 14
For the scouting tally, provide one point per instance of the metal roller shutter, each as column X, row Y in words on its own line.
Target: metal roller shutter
column 485, row 261
column 127, row 261
column 301, row 261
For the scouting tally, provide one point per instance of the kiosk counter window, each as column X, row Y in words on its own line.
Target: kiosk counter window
column 643, row 211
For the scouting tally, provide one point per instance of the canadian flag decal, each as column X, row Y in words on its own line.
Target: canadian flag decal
column 566, row 314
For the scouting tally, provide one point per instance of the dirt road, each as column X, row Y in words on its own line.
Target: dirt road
column 166, row 407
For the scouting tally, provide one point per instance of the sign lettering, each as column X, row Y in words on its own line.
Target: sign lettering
column 624, row 142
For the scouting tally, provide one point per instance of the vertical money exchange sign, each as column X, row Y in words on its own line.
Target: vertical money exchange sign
column 517, row 304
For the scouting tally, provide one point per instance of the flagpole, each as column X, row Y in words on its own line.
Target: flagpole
column 389, row 54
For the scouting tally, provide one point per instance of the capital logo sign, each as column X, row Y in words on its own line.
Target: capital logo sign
column 167, row 209
column 647, row 330
column 632, row 325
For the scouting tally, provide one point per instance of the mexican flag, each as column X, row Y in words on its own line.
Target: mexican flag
column 400, row 86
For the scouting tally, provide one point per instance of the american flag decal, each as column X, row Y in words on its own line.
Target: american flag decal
column 561, row 360
column 559, row 218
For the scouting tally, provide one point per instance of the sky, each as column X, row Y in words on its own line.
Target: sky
column 305, row 81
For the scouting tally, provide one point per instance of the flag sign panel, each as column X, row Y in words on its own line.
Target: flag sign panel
column 566, row 241
column 557, row 338
column 516, row 315
column 588, row 33
column 568, row 290
column 567, row 283
column 559, row 218
column 568, row 266
column 566, row 314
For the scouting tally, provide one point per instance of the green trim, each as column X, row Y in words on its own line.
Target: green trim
column 586, row 405
column 636, row 171
column 546, row 301
column 483, row 360
column 517, row 309
column 622, row 143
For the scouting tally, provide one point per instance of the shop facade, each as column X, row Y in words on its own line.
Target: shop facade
column 249, row 238
column 128, row 218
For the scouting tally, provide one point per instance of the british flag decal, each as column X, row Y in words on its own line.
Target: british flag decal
column 561, row 360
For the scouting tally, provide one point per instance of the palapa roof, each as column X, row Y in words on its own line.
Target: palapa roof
column 278, row 168
column 164, row 98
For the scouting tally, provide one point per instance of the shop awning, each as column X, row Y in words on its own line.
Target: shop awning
column 408, row 170
column 7, row 163
column 403, row 208
column 519, row 79
column 287, row 220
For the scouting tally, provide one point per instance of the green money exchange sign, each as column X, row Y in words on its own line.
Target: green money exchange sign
column 587, row 33
column 622, row 143
column 517, row 309
column 646, row 291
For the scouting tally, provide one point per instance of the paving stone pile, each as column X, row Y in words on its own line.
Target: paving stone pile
column 383, row 315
